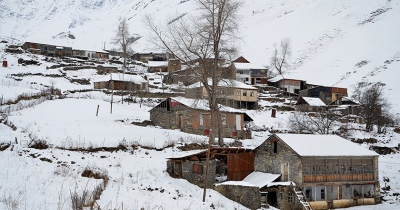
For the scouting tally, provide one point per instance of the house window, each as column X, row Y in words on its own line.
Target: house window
column 322, row 194
column 251, row 93
column 290, row 197
column 280, row 195
column 223, row 119
column 275, row 146
column 197, row 169
column 238, row 92
column 244, row 93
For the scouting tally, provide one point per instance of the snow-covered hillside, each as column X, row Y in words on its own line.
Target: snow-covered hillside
column 334, row 43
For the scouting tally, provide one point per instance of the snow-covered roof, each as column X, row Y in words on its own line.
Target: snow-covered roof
column 323, row 145
column 248, row 66
column 203, row 105
column 280, row 77
column 225, row 83
column 122, row 77
column 157, row 63
column 255, row 179
column 314, row 101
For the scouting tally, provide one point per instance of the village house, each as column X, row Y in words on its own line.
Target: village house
column 171, row 65
column 346, row 106
column 47, row 49
column 289, row 85
column 116, row 81
column 231, row 93
column 249, row 73
column 193, row 116
column 325, row 93
column 309, row 104
column 145, row 57
column 327, row 170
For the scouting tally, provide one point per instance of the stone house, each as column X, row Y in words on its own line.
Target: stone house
column 331, row 172
column 231, row 93
column 309, row 104
column 115, row 81
column 193, row 116
column 226, row 164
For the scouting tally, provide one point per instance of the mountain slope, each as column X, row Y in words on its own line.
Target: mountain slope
column 334, row 43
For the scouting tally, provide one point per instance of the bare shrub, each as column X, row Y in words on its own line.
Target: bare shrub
column 11, row 201
column 63, row 171
column 4, row 146
column 38, row 144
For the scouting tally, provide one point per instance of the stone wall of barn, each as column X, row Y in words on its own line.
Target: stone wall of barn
column 269, row 162
column 248, row 196
column 189, row 172
column 191, row 123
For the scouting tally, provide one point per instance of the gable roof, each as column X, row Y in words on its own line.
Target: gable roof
column 122, row 77
column 157, row 63
column 323, row 145
column 255, row 179
column 346, row 100
column 224, row 83
column 241, row 59
column 248, row 66
column 286, row 77
column 202, row 104
column 311, row 101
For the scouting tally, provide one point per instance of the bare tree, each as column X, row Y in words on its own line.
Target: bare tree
column 204, row 43
column 124, row 39
column 280, row 58
column 372, row 103
column 315, row 122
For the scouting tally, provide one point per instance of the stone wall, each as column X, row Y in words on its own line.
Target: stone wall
column 198, row 179
column 269, row 162
column 194, row 177
column 169, row 120
column 246, row 195
column 163, row 118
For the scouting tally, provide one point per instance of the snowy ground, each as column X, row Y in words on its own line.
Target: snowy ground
column 45, row 179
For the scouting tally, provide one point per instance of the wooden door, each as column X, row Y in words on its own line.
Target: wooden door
column 180, row 121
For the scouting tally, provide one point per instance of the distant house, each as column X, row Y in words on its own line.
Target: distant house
column 47, row 49
column 325, row 93
column 193, row 116
column 249, row 73
column 327, row 170
column 289, row 85
column 116, row 81
column 79, row 54
column 115, row 53
column 231, row 93
column 171, row 65
column 309, row 104
column 102, row 55
column 145, row 57
column 226, row 164
column 345, row 106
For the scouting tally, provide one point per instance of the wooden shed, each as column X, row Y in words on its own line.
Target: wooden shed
column 226, row 164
